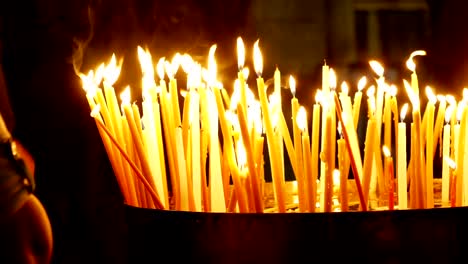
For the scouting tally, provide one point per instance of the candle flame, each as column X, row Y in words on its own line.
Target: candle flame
column 187, row 63
column 96, row 110
column 450, row 162
column 371, row 91
column 240, row 53
column 160, row 67
column 449, row 112
column 332, row 79
column 301, row 118
column 430, row 95
column 246, row 72
column 451, row 99
column 235, row 97
column 465, row 94
column 386, row 151
column 461, row 106
column 318, row 96
column 125, row 95
column 99, row 74
column 87, row 82
column 292, row 85
column 258, row 59
column 112, row 71
column 392, row 90
column 411, row 94
column 344, row 88
column 362, row 83
column 404, row 110
column 147, row 69
column 212, row 67
column 377, row 67
column 441, row 98
column 410, row 63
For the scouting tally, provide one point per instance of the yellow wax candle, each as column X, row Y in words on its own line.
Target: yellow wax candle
column 357, row 100
column 218, row 203
column 287, row 141
column 229, row 150
column 387, row 121
column 301, row 122
column 343, row 175
column 439, row 121
column 278, row 180
column 326, row 157
column 430, row 108
column 389, row 177
column 297, row 146
column 401, row 161
column 195, row 140
column 461, row 156
column 240, row 74
column 326, row 92
column 412, row 67
column 368, row 156
column 314, row 154
column 446, row 154
column 182, row 167
column 136, row 137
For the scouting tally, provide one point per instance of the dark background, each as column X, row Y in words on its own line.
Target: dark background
column 74, row 179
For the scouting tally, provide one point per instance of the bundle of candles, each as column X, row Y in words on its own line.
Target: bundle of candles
column 169, row 153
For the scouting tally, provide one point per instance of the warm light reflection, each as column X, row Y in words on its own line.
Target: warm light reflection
column 450, row 162
column 386, row 151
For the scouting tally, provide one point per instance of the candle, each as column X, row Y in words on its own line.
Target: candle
column 136, row 137
column 301, row 121
column 278, row 180
column 389, row 176
column 446, row 154
column 343, row 174
column 327, row 191
column 462, row 156
column 315, row 150
column 412, row 67
column 419, row 183
column 429, row 147
column 182, row 168
column 297, row 145
column 439, row 121
column 326, row 92
column 352, row 145
column 401, row 161
column 453, row 179
column 240, row 75
column 357, row 100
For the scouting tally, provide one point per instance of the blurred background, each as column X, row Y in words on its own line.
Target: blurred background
column 39, row 43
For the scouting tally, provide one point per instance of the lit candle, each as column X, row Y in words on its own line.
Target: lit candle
column 278, row 180
column 301, row 120
column 357, row 100
column 326, row 92
column 369, row 145
column 453, row 179
column 417, row 160
column 240, row 75
column 136, row 137
column 297, row 146
column 446, row 154
column 462, row 155
column 401, row 161
column 430, row 108
column 439, row 121
column 412, row 67
column 315, row 149
column 342, row 156
column 389, row 176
